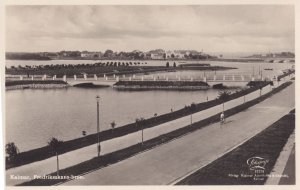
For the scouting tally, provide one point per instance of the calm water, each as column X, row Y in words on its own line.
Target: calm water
column 34, row 116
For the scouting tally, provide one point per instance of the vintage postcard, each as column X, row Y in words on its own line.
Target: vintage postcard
column 129, row 94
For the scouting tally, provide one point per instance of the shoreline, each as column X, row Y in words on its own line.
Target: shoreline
column 161, row 85
column 42, row 153
column 37, row 86
column 238, row 59
column 136, row 88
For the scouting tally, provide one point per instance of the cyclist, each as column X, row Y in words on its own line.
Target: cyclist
column 222, row 118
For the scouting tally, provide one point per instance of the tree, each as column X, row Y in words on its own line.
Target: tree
column 140, row 123
column 192, row 109
column 108, row 53
column 244, row 93
column 260, row 88
column 55, row 145
column 113, row 125
column 224, row 96
column 12, row 150
column 164, row 56
column 155, row 115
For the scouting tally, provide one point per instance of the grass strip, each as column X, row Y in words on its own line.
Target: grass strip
column 232, row 168
column 114, row 157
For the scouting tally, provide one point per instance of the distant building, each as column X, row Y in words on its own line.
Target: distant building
column 86, row 54
column 270, row 55
column 63, row 54
column 157, row 56
column 179, row 55
column 51, row 54
column 169, row 54
column 175, row 55
column 69, row 53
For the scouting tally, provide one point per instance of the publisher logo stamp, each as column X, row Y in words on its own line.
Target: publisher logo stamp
column 257, row 163
column 257, row 170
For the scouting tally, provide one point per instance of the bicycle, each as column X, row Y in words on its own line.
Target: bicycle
column 222, row 120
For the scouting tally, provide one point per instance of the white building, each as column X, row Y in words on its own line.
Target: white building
column 86, row 54
column 157, row 56
column 174, row 55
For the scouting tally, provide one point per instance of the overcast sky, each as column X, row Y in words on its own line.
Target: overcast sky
column 223, row 28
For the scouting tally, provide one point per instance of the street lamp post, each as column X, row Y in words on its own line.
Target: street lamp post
column 140, row 122
column 98, row 127
column 142, row 125
column 142, row 135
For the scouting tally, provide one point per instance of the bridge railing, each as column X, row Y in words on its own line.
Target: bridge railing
column 115, row 77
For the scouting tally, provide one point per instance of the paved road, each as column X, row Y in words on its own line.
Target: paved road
column 77, row 156
column 169, row 162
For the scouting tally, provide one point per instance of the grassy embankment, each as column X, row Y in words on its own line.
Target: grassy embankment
column 44, row 152
column 161, row 83
column 90, row 85
column 105, row 160
column 157, row 85
column 38, row 84
column 27, row 82
column 232, row 168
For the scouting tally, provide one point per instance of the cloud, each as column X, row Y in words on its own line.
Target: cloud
column 40, row 28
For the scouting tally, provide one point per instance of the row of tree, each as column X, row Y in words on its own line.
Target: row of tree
column 168, row 65
column 87, row 65
column 54, row 144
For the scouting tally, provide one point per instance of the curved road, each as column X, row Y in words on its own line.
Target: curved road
column 170, row 162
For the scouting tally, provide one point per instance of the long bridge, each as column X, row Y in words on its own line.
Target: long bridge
column 110, row 80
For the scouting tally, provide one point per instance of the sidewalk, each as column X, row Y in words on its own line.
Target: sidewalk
column 285, row 165
column 77, row 156
column 289, row 170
